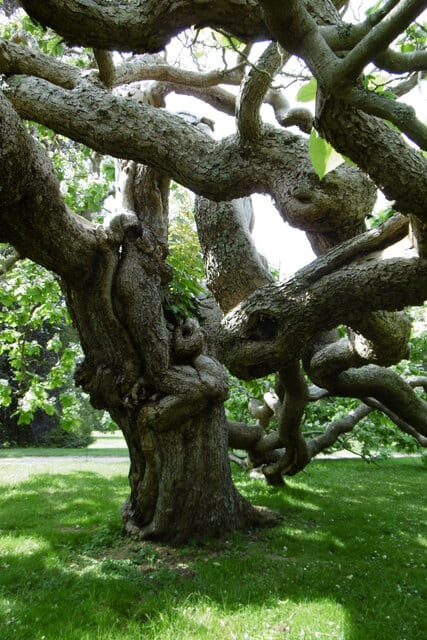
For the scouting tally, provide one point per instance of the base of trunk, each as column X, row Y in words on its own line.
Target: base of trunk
column 184, row 490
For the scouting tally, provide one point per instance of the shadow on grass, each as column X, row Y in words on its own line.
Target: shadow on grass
column 350, row 539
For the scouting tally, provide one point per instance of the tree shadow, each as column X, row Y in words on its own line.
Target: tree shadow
column 349, row 537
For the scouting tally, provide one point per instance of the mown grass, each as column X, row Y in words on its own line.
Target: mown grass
column 347, row 561
column 105, row 445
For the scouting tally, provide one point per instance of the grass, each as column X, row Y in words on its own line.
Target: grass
column 347, row 561
column 105, row 445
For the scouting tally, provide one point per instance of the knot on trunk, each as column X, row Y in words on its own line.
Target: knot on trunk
column 100, row 383
column 187, row 340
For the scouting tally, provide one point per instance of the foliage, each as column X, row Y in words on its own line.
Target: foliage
column 185, row 256
column 66, row 573
column 241, row 392
column 37, row 358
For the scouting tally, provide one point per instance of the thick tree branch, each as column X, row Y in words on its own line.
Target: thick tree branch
column 272, row 326
column 278, row 164
column 291, row 24
column 243, row 436
column 252, row 93
column 230, row 275
column 378, row 150
column 33, row 215
column 345, row 36
column 297, row 31
column 400, row 114
column 376, row 239
column 16, row 59
column 147, row 69
column 396, row 62
column 289, row 419
column 143, row 25
column 148, row 25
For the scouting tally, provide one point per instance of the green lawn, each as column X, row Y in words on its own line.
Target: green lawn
column 347, row 561
column 106, row 444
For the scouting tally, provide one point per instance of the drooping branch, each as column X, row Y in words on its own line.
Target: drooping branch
column 336, row 429
column 388, row 388
column 33, row 215
column 272, row 326
column 266, row 449
column 337, row 366
column 289, row 415
column 403, row 426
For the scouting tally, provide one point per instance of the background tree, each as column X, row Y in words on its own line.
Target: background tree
column 159, row 374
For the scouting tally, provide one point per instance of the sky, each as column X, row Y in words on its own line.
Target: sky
column 286, row 248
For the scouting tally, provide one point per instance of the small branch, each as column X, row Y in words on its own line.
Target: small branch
column 345, row 36
column 403, row 426
column 388, row 388
column 405, row 86
column 336, row 429
column 152, row 68
column 252, row 93
column 377, row 39
column 105, row 64
column 401, row 115
column 396, row 62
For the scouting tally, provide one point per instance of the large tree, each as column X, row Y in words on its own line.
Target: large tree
column 162, row 377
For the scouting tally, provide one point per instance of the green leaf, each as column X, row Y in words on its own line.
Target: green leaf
column 323, row 156
column 319, row 151
column 307, row 92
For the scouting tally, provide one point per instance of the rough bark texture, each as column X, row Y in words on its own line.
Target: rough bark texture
column 161, row 377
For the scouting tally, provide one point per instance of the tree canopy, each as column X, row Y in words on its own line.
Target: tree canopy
column 99, row 74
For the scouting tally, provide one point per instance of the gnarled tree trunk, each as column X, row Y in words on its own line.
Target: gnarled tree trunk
column 155, row 375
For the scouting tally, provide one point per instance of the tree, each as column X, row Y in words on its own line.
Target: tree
column 157, row 371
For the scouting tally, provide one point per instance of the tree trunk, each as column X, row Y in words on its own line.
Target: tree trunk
column 181, row 485
column 156, row 375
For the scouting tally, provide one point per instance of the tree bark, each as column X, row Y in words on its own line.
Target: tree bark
column 181, row 485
